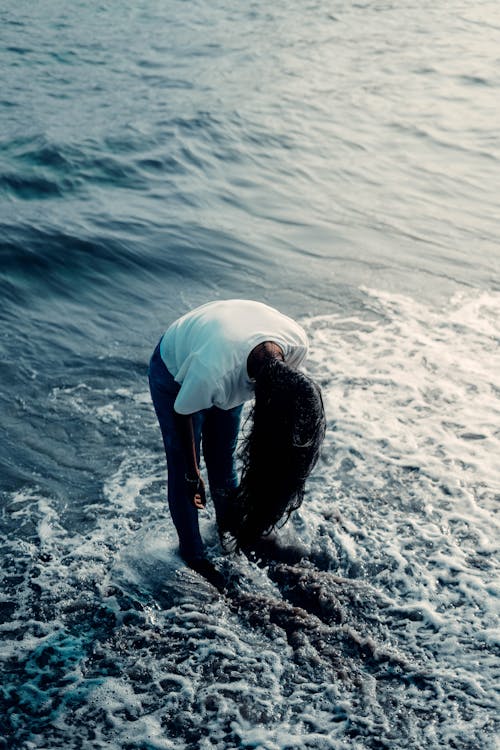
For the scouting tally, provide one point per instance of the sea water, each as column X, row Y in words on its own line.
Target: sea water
column 340, row 161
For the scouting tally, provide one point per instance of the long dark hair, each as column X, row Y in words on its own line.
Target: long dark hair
column 287, row 427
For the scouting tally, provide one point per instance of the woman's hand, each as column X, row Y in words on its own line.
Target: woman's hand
column 196, row 491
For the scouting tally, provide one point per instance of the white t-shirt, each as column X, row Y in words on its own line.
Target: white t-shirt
column 207, row 349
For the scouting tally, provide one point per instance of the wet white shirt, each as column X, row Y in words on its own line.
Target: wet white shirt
column 207, row 349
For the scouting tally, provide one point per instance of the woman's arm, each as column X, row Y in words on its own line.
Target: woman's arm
column 194, row 482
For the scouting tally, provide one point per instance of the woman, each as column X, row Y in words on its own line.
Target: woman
column 206, row 365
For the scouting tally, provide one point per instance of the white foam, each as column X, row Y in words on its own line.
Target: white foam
column 127, row 484
column 412, row 456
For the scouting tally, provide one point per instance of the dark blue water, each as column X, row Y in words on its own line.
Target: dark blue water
column 340, row 161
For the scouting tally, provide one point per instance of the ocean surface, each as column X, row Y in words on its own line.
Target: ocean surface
column 341, row 161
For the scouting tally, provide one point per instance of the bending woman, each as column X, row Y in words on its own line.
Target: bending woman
column 206, row 365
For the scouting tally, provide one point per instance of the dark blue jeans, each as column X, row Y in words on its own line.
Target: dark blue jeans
column 217, row 430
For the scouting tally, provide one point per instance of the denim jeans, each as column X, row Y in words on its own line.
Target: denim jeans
column 217, row 431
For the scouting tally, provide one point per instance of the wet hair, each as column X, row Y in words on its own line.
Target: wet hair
column 280, row 449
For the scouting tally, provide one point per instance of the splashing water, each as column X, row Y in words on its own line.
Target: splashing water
column 370, row 622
